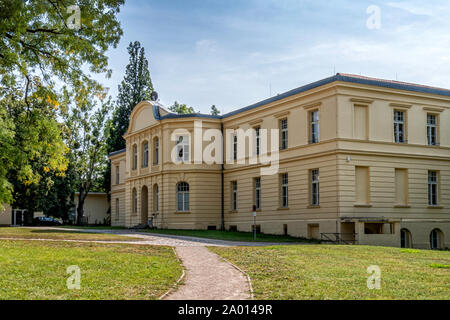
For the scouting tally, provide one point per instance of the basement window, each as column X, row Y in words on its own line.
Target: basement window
column 378, row 228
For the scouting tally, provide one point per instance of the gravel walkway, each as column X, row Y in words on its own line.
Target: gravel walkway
column 209, row 278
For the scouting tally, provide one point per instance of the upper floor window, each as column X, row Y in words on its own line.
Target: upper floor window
column 399, row 126
column 235, row 146
column 183, row 148
column 314, row 126
column 145, row 154
column 117, row 174
column 135, row 157
column 284, row 190
column 156, row 151
column 433, row 188
column 182, row 197
column 432, row 130
column 315, row 187
column 258, row 193
column 234, row 195
column 257, row 140
column 284, row 134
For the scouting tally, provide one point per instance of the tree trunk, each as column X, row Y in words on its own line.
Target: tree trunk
column 80, row 207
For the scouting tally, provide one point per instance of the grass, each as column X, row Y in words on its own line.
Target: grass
column 45, row 233
column 340, row 272
column 228, row 235
column 37, row 270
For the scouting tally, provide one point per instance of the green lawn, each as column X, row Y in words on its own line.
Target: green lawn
column 340, row 272
column 37, row 270
column 45, row 233
column 228, row 235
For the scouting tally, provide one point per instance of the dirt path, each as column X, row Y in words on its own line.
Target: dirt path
column 209, row 278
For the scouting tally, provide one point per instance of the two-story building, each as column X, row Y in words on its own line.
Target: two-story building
column 356, row 159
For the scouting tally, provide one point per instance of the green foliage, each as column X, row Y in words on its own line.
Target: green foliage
column 135, row 87
column 214, row 110
column 181, row 108
column 39, row 54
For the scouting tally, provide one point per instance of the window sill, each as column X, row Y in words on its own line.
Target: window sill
column 283, row 209
column 313, row 206
column 362, row 205
column 435, row 207
column 402, row 206
column 182, row 212
column 233, row 211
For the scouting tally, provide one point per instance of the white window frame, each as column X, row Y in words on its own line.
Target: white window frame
column 235, row 146
column 183, row 148
column 433, row 188
column 314, row 126
column 258, row 193
column 432, row 126
column 284, row 138
column 315, row 187
column 284, row 190
column 234, row 204
column 399, row 126
column 257, row 140
column 145, row 154
column 182, row 197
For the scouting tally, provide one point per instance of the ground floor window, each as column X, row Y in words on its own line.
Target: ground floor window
column 436, row 239
column 182, row 197
column 405, row 238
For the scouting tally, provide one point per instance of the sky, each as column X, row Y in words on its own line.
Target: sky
column 233, row 53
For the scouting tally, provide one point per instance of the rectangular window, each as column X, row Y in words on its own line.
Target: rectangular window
column 234, row 196
column 117, row 175
column 156, row 153
column 401, row 186
column 135, row 157
column 257, row 140
column 360, row 122
column 362, row 187
column 145, row 155
column 432, row 130
column 314, row 126
column 183, row 149
column 258, row 193
column 284, row 191
column 315, row 201
column 399, row 126
column 117, row 209
column 235, row 146
column 284, row 134
column 432, row 188
column 156, row 198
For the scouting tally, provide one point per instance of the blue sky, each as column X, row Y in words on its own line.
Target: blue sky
column 233, row 53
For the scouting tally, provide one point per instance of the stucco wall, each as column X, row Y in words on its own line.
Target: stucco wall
column 5, row 216
column 95, row 207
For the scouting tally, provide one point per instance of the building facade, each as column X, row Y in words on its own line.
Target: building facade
column 355, row 159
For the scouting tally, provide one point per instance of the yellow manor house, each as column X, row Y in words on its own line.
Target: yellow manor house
column 355, row 160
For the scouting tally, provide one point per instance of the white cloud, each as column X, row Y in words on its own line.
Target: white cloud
column 411, row 8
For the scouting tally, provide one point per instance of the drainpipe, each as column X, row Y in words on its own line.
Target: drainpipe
column 222, row 224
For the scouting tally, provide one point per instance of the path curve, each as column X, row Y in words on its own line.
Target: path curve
column 208, row 277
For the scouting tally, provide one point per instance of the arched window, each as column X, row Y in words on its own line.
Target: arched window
column 182, row 197
column 145, row 154
column 436, row 239
column 155, row 198
column 405, row 238
column 156, row 151
column 135, row 157
column 134, row 201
